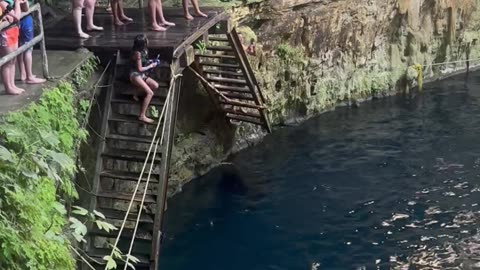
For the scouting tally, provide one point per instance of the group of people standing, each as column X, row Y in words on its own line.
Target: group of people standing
column 155, row 12
column 16, row 33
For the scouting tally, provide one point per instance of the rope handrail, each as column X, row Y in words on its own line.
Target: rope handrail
column 174, row 77
column 167, row 104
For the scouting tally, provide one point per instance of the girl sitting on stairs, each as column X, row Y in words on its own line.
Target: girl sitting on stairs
column 138, row 76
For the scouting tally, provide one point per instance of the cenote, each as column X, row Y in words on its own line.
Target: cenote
column 391, row 184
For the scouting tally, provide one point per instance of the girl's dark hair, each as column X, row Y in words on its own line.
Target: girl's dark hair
column 140, row 43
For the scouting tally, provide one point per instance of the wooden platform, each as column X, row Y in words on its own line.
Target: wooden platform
column 61, row 36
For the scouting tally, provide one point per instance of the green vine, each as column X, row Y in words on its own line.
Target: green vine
column 37, row 150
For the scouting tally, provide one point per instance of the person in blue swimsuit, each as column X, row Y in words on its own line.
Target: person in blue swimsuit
column 24, row 60
column 138, row 75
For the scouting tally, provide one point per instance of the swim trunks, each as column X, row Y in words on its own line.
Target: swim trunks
column 26, row 30
column 9, row 37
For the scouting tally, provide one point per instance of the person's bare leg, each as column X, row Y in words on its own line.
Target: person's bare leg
column 77, row 6
column 89, row 11
column 160, row 14
column 152, row 11
column 21, row 67
column 27, row 63
column 10, row 88
column 116, row 12
column 122, row 12
column 186, row 13
column 197, row 9
column 137, row 80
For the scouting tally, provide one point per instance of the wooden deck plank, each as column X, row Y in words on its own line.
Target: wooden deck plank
column 113, row 38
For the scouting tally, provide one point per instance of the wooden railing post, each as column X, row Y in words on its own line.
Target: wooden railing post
column 43, row 48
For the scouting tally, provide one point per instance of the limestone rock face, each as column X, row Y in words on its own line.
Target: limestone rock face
column 313, row 55
column 317, row 54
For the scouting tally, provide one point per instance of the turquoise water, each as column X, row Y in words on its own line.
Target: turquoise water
column 392, row 184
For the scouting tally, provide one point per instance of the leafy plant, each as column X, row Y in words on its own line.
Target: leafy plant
column 37, row 150
column 290, row 54
column 201, row 46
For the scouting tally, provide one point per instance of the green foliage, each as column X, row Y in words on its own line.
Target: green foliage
column 37, row 146
column 290, row 54
column 201, row 46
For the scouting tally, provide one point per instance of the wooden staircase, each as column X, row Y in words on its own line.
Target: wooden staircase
column 224, row 70
column 224, row 65
column 120, row 158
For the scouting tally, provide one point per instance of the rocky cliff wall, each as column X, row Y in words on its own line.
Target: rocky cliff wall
column 314, row 55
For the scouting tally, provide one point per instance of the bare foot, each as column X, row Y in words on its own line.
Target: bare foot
column 201, row 14
column 128, row 19
column 188, row 17
column 158, row 28
column 35, row 80
column 145, row 119
column 23, row 77
column 119, row 23
column 108, row 9
column 167, row 23
column 14, row 91
column 83, row 35
column 94, row 28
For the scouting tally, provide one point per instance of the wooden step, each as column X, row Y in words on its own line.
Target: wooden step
column 237, row 96
column 245, row 105
column 226, row 88
column 140, row 248
column 120, row 215
column 245, row 119
column 122, row 118
column 216, row 56
column 253, row 114
column 130, row 155
column 126, row 196
column 227, row 80
column 130, row 138
column 223, row 72
column 128, row 99
column 129, row 176
column 127, row 233
column 220, row 39
column 215, row 64
column 220, row 48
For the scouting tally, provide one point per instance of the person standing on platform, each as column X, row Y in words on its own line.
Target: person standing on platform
column 24, row 60
column 77, row 6
column 118, row 14
column 10, row 13
column 155, row 8
column 187, row 14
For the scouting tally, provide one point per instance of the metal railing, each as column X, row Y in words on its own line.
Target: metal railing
column 37, row 39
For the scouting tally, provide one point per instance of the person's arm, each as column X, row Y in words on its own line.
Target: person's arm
column 24, row 6
column 138, row 60
column 4, row 22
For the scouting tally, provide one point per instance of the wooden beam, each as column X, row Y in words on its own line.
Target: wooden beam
column 198, row 34
column 188, row 57
column 222, row 27
column 167, row 145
